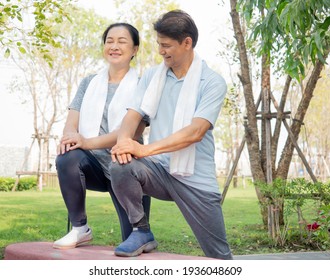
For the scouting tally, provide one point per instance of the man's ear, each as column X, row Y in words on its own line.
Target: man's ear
column 188, row 42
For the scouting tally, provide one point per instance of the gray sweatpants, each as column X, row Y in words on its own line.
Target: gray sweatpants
column 201, row 209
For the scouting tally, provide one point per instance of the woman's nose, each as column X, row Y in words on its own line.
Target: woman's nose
column 114, row 46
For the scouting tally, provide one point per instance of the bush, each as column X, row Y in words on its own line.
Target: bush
column 298, row 196
column 6, row 184
column 25, row 183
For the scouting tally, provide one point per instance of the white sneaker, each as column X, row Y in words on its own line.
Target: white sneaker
column 73, row 239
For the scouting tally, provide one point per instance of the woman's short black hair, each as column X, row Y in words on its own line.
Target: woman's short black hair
column 177, row 25
column 131, row 29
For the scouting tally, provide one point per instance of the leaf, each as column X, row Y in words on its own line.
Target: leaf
column 317, row 39
column 22, row 50
column 320, row 57
column 306, row 54
column 7, row 53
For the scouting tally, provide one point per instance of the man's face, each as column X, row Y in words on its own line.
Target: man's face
column 172, row 51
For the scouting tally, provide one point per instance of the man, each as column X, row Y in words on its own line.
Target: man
column 183, row 98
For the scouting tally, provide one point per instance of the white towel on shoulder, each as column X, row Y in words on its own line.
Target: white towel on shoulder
column 182, row 161
column 92, row 107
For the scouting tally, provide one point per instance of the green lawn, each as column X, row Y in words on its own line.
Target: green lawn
column 41, row 216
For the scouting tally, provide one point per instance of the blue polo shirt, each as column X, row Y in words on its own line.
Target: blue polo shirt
column 212, row 91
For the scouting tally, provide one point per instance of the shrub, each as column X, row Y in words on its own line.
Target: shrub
column 296, row 196
column 25, row 183
column 6, row 184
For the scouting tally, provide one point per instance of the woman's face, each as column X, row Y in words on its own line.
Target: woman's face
column 119, row 46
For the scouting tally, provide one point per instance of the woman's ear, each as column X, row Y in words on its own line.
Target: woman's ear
column 136, row 49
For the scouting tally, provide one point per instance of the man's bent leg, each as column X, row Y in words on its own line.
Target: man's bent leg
column 130, row 182
column 203, row 213
column 128, row 190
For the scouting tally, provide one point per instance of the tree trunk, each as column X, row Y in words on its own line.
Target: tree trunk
column 250, row 125
column 251, row 129
column 286, row 156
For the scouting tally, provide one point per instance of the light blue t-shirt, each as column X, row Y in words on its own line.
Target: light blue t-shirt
column 212, row 91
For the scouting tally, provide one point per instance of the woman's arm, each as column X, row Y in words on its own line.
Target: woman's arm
column 106, row 141
column 70, row 127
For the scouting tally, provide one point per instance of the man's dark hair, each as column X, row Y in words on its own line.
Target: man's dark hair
column 177, row 25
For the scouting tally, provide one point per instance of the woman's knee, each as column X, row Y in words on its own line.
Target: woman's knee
column 69, row 159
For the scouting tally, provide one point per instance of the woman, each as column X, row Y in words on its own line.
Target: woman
column 94, row 117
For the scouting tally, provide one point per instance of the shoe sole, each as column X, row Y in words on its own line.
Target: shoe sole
column 72, row 246
column 146, row 248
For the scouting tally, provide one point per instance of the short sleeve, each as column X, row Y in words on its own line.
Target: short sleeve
column 141, row 89
column 212, row 94
column 78, row 98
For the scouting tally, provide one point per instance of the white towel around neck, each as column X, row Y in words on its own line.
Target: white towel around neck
column 92, row 107
column 182, row 161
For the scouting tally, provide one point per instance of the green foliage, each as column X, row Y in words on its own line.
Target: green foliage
column 81, row 38
column 298, row 190
column 321, row 234
column 15, row 24
column 294, row 32
column 25, row 183
column 301, row 196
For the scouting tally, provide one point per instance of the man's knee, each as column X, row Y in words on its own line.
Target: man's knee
column 123, row 173
column 118, row 170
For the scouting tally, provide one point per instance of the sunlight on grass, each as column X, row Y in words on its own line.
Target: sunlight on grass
column 42, row 216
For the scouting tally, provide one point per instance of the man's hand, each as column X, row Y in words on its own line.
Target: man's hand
column 125, row 149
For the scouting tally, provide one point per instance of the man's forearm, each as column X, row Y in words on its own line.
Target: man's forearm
column 180, row 139
column 129, row 125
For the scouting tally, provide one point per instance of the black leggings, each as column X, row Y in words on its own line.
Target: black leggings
column 79, row 170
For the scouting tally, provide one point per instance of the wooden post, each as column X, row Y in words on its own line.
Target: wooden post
column 266, row 101
column 232, row 171
column 300, row 153
column 238, row 155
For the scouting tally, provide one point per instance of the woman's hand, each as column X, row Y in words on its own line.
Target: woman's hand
column 71, row 142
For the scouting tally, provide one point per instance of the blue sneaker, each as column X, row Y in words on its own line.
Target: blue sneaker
column 138, row 242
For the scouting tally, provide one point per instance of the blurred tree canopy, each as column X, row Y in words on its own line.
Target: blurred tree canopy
column 32, row 22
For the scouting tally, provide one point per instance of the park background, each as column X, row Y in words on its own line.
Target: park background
column 25, row 75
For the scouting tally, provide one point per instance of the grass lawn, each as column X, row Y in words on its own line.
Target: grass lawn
column 42, row 216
